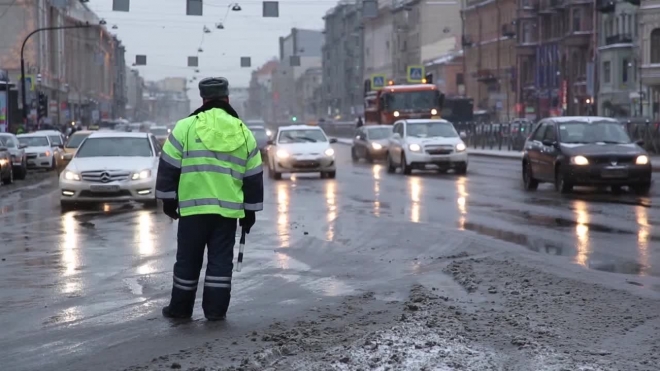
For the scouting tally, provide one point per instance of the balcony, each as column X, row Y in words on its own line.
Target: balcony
column 619, row 39
column 651, row 74
column 578, row 38
column 606, row 6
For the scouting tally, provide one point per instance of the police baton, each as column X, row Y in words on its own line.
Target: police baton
column 241, row 247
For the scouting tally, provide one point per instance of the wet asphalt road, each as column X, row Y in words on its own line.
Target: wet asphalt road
column 84, row 289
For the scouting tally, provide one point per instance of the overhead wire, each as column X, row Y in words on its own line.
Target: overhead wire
column 9, row 6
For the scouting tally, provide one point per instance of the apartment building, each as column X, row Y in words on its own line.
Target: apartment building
column 377, row 44
column 649, row 14
column 489, row 44
column 556, row 50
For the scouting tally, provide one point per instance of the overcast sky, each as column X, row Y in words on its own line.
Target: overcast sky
column 160, row 30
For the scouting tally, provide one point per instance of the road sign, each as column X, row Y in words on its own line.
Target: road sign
column 28, row 84
column 415, row 73
column 377, row 82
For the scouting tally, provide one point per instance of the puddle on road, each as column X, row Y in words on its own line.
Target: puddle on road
column 604, row 263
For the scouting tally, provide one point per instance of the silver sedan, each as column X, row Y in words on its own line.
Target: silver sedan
column 370, row 142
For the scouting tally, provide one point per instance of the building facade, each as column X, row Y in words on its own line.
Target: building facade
column 119, row 99
column 306, row 46
column 261, row 98
column 377, row 45
column 343, row 60
column 306, row 87
column 489, row 43
column 74, row 68
column 446, row 72
column 649, row 15
column 557, row 48
column 134, row 85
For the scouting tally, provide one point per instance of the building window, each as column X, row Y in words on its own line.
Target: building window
column 607, row 74
column 527, row 35
column 655, row 46
column 624, row 70
column 577, row 19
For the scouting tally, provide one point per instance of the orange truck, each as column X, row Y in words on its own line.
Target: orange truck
column 394, row 102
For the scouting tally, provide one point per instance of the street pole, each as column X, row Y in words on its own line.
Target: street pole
column 23, row 93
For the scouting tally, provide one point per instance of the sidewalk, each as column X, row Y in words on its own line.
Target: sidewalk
column 510, row 155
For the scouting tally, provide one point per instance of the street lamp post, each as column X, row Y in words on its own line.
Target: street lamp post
column 23, row 93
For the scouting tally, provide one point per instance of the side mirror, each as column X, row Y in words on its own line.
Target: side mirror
column 639, row 143
column 271, row 142
column 463, row 135
column 396, row 136
column 68, row 156
column 22, row 146
column 333, row 140
column 4, row 149
column 60, row 146
column 549, row 143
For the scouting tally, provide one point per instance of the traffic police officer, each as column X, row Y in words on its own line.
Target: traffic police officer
column 209, row 176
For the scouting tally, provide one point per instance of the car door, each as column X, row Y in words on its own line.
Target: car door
column 533, row 148
column 396, row 142
column 157, row 150
column 549, row 152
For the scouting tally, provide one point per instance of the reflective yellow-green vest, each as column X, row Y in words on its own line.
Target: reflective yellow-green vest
column 215, row 152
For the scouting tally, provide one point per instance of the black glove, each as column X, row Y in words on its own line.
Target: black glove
column 247, row 222
column 170, row 208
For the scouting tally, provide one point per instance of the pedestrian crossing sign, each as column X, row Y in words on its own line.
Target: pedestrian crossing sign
column 377, row 82
column 415, row 73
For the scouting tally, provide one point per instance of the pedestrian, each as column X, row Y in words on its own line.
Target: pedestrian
column 209, row 176
column 359, row 123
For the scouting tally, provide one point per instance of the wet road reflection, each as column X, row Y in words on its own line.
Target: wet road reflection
column 144, row 232
column 376, row 170
column 581, row 210
column 330, row 194
column 283, row 213
column 461, row 201
column 643, row 234
column 415, row 189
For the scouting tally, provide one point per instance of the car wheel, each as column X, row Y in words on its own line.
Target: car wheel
column 53, row 165
column 9, row 179
column 329, row 174
column 390, row 165
column 405, row 169
column 21, row 172
column 461, row 169
column 153, row 204
column 560, row 182
column 529, row 182
column 616, row 190
column 354, row 155
column 641, row 189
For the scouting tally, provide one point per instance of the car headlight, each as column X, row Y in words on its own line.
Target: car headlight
column 460, row 147
column 3, row 161
column 434, row 111
column 415, row 147
column 70, row 175
column 642, row 160
column 376, row 145
column 45, row 154
column 579, row 160
column 329, row 152
column 144, row 174
column 269, row 133
column 282, row 153
column 396, row 113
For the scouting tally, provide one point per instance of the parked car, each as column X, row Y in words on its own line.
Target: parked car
column 370, row 142
column 40, row 152
column 585, row 151
column 17, row 152
column 112, row 167
column 261, row 136
column 72, row 144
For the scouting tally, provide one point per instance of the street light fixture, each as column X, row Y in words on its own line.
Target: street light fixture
column 235, row 7
column 23, row 93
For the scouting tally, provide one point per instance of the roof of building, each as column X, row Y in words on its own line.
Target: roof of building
column 444, row 59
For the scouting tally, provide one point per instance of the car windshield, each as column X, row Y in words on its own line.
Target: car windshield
column 115, row 147
column 75, row 140
column 55, row 139
column 159, row 132
column 259, row 134
column 302, row 136
column 412, row 100
column 34, row 141
column 431, row 129
column 379, row 133
column 595, row 132
column 7, row 141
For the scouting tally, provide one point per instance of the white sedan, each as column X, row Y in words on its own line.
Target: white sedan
column 419, row 143
column 112, row 167
column 301, row 149
column 41, row 152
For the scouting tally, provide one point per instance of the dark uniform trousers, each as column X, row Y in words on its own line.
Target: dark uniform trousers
column 195, row 233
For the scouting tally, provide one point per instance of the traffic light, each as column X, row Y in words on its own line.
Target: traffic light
column 42, row 105
column 294, row 118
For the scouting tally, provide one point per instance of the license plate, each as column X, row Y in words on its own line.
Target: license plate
column 615, row 173
column 104, row 188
